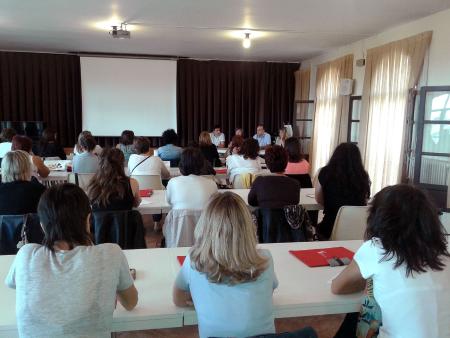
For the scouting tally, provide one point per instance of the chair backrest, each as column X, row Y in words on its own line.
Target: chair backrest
column 304, row 180
column 149, row 181
column 179, row 227
column 11, row 231
column 350, row 223
column 273, row 227
column 82, row 180
column 124, row 227
column 243, row 180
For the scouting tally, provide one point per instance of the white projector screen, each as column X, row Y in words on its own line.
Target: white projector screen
column 135, row 94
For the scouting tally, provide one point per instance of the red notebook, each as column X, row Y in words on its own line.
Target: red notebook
column 221, row 171
column 181, row 259
column 145, row 192
column 319, row 257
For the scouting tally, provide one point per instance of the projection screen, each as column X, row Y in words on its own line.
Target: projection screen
column 135, row 94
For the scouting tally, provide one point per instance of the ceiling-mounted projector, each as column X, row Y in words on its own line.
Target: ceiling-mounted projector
column 120, row 33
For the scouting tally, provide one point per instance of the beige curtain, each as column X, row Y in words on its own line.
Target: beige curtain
column 329, row 108
column 302, row 78
column 391, row 70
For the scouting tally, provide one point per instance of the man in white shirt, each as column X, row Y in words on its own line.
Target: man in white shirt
column 217, row 137
column 5, row 138
column 262, row 137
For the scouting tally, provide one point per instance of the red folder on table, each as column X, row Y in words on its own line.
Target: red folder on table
column 221, row 171
column 145, row 192
column 181, row 259
column 320, row 257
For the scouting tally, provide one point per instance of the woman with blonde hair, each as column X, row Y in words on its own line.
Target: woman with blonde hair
column 225, row 272
column 208, row 149
column 19, row 194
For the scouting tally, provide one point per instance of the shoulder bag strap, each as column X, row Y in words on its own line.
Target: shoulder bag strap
column 137, row 165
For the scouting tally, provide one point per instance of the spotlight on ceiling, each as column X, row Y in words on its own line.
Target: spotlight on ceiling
column 120, row 33
column 246, row 43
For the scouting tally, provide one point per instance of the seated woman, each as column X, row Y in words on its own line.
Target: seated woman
column 126, row 144
column 190, row 191
column 143, row 163
column 38, row 168
column 276, row 190
column 282, row 136
column 224, row 271
column 297, row 165
column 68, row 287
column 247, row 161
column 169, row 151
column 86, row 162
column 343, row 181
column 48, row 146
column 77, row 149
column 208, row 149
column 18, row 193
column 6, row 137
column 406, row 255
column 110, row 189
column 234, row 147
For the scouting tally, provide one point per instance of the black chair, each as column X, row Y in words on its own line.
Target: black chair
column 124, row 228
column 11, row 231
column 306, row 182
column 307, row 332
column 274, row 228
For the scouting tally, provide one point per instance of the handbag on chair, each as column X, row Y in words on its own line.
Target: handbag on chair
column 298, row 218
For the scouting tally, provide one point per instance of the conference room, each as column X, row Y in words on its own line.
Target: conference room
column 225, row 169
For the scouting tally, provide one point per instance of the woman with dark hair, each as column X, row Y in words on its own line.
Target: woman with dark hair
column 208, row 149
column 282, row 136
column 6, row 137
column 275, row 190
column 343, row 181
column 126, row 144
column 77, row 149
column 169, row 151
column 406, row 255
column 110, row 188
column 38, row 168
column 143, row 163
column 85, row 162
column 247, row 161
column 68, row 286
column 190, row 191
column 297, row 165
column 234, row 147
column 48, row 145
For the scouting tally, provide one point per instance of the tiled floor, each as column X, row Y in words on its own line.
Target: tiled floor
column 325, row 326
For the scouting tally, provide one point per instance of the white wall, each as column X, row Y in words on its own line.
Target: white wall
column 436, row 68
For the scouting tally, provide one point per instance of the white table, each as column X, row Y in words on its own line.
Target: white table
column 157, row 203
column 302, row 291
column 222, row 151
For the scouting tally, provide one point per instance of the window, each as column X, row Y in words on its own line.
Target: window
column 304, row 122
column 432, row 158
column 354, row 117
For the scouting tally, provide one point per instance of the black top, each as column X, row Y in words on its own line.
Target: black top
column 50, row 150
column 20, row 197
column 117, row 203
column 211, row 154
column 335, row 195
column 274, row 191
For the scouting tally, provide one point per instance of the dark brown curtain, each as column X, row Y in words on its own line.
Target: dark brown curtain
column 42, row 87
column 233, row 94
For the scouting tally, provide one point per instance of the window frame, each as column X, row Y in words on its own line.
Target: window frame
column 353, row 98
column 309, row 101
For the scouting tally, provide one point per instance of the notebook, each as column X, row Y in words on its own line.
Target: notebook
column 221, row 171
column 321, row 257
column 145, row 192
column 181, row 259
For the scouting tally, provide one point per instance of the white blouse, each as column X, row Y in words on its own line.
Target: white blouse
column 237, row 164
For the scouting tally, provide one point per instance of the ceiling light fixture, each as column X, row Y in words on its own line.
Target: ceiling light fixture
column 120, row 33
column 246, row 43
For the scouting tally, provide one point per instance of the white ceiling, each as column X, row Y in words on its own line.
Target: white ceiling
column 291, row 29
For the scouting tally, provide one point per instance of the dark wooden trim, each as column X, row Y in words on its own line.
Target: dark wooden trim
column 350, row 114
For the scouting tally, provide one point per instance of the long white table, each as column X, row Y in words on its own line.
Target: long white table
column 157, row 203
column 302, row 291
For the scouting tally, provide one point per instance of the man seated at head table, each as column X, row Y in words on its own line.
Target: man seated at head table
column 262, row 137
column 217, row 137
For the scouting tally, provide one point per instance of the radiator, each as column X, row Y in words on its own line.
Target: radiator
column 435, row 171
